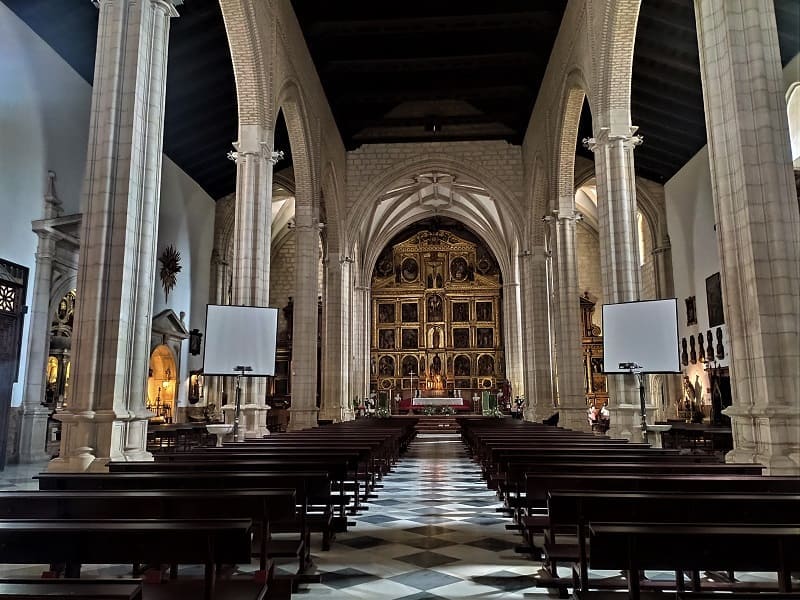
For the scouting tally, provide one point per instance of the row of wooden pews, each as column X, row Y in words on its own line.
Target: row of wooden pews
column 592, row 502
column 208, row 506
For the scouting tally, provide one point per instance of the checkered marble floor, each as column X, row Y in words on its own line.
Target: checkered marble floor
column 431, row 533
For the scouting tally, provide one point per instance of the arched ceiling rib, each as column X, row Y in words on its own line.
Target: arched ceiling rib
column 430, row 194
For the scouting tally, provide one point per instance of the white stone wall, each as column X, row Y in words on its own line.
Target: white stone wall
column 44, row 120
column 589, row 276
column 372, row 161
column 281, row 277
column 186, row 220
column 690, row 218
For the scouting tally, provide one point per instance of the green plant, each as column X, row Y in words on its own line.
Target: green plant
column 447, row 410
column 494, row 412
column 429, row 410
column 382, row 412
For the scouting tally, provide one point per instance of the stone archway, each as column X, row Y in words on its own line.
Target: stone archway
column 162, row 385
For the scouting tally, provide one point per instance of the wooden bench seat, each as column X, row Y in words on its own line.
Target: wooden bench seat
column 119, row 541
column 695, row 547
column 74, row 589
column 261, row 506
column 309, row 487
column 569, row 513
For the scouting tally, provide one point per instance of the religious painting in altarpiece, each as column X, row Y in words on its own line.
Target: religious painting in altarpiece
column 436, row 312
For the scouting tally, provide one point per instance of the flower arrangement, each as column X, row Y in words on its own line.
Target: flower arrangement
column 494, row 412
column 429, row 410
column 447, row 410
column 382, row 412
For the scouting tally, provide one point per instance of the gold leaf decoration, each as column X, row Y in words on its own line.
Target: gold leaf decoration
column 170, row 260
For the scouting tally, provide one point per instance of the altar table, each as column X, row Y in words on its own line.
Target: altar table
column 438, row 401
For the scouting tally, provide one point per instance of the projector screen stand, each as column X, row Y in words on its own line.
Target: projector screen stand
column 637, row 371
column 240, row 371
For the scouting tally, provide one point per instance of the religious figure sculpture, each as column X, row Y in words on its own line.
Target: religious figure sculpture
column 435, row 308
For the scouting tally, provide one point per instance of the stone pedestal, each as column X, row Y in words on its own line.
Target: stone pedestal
column 302, row 418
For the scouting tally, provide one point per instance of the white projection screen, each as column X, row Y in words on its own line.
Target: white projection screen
column 645, row 333
column 240, row 336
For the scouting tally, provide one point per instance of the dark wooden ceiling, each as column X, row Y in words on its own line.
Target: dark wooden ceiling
column 413, row 71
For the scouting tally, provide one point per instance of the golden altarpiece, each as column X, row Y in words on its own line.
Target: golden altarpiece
column 592, row 344
column 436, row 323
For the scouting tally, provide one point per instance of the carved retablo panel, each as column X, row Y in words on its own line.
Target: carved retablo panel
column 436, row 300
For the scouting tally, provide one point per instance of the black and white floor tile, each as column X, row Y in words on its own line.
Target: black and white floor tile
column 431, row 533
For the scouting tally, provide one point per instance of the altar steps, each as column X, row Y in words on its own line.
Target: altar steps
column 437, row 424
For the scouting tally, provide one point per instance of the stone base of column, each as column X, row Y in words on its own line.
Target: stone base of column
column 626, row 423
column 767, row 435
column 302, row 418
column 252, row 420
column 89, row 440
column 75, row 455
column 33, row 435
column 573, row 418
column 536, row 412
column 330, row 413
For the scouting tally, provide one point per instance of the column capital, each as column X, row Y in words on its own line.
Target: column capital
column 242, row 150
column 168, row 6
column 605, row 137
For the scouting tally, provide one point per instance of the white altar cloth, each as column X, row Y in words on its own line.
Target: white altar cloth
column 437, row 401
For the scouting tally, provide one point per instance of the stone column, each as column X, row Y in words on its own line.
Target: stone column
column 536, row 336
column 303, row 413
column 360, row 343
column 218, row 294
column 107, row 418
column 619, row 255
column 513, row 337
column 758, row 232
column 251, row 257
column 571, row 393
column 336, row 343
column 33, row 429
column 665, row 288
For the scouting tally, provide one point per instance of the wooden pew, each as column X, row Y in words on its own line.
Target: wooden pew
column 517, row 473
column 118, row 541
column 570, row 513
column 74, row 589
column 362, row 467
column 337, row 467
column 310, row 487
column 261, row 506
column 693, row 547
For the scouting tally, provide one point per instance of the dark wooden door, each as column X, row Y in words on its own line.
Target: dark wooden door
column 13, row 288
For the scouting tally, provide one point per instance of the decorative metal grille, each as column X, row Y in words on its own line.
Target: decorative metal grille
column 8, row 298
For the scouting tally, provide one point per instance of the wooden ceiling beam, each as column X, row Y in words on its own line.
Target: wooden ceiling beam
column 397, row 139
column 542, row 19
column 433, row 63
column 509, row 92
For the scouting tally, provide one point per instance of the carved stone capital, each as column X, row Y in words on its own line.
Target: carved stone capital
column 606, row 137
